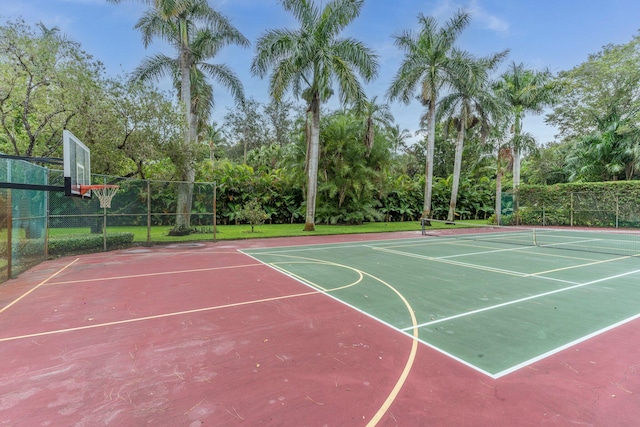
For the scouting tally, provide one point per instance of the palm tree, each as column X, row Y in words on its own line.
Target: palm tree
column 309, row 60
column 197, row 32
column 374, row 114
column 526, row 91
column 500, row 149
column 398, row 137
column 212, row 135
column 429, row 65
column 470, row 103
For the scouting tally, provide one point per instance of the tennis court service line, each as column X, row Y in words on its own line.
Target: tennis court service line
column 491, row 249
column 603, row 261
column 449, row 261
column 531, row 297
column 446, row 260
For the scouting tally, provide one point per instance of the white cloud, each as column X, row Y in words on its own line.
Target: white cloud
column 446, row 8
column 492, row 22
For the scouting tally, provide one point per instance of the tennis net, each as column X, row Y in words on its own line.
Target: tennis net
column 606, row 241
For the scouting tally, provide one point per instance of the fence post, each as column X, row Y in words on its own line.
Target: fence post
column 215, row 204
column 46, row 219
column 9, row 232
column 617, row 211
column 571, row 211
column 104, row 222
column 148, row 212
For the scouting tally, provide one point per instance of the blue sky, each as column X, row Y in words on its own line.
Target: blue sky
column 553, row 34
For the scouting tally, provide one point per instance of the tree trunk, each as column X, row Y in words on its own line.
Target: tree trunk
column 457, row 166
column 312, row 175
column 516, row 167
column 517, row 150
column 431, row 139
column 184, row 200
column 185, row 189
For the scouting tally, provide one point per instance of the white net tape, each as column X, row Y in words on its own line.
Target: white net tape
column 105, row 195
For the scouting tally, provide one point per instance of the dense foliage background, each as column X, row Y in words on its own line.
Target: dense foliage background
column 369, row 169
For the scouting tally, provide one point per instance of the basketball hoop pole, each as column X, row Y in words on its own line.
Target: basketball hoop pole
column 104, row 225
column 105, row 193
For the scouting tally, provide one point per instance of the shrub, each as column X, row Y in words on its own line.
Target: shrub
column 88, row 244
column 253, row 214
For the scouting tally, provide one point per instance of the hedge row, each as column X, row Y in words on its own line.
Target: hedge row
column 599, row 204
column 88, row 243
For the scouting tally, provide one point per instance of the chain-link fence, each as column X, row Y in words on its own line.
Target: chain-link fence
column 591, row 209
column 23, row 218
column 32, row 219
column 139, row 206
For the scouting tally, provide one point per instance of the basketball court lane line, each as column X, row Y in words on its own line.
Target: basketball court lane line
column 3, row 309
column 391, row 397
column 160, row 316
column 161, row 273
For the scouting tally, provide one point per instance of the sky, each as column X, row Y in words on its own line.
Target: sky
column 542, row 34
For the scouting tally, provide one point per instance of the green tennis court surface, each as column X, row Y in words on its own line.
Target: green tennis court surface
column 492, row 305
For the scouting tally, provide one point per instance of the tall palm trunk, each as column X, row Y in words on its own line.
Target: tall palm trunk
column 517, row 151
column 185, row 189
column 457, row 166
column 312, row 174
column 498, row 209
column 431, row 141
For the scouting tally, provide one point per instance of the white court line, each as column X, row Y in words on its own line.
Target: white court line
column 575, row 285
column 322, row 246
column 444, row 260
column 563, row 347
column 544, row 294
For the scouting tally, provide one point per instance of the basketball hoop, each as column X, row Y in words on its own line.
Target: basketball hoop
column 104, row 193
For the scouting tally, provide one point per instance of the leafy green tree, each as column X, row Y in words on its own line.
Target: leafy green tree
column 547, row 165
column 46, row 82
column 267, row 157
column 430, row 64
column 246, row 128
column 280, row 114
column 130, row 127
column 308, row 60
column 606, row 84
column 598, row 114
column 253, row 213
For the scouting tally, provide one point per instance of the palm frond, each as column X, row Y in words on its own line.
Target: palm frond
column 154, row 68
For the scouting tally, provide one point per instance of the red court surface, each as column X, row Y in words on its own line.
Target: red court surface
column 203, row 335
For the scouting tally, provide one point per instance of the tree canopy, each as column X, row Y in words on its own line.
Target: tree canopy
column 360, row 164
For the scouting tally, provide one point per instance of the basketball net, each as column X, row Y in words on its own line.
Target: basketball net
column 104, row 193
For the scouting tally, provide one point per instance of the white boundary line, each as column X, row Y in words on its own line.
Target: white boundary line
column 448, row 261
column 359, row 310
